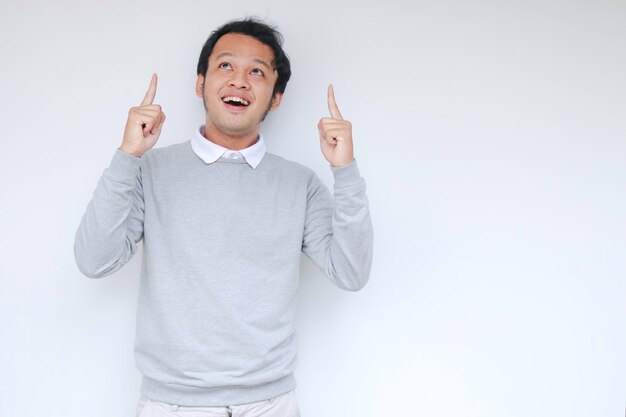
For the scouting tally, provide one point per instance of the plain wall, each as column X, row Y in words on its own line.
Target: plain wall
column 492, row 136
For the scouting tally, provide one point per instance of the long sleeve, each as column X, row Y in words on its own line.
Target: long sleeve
column 338, row 238
column 112, row 225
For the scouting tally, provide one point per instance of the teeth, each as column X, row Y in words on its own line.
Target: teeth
column 237, row 99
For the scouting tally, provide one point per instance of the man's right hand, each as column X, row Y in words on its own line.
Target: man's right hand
column 144, row 124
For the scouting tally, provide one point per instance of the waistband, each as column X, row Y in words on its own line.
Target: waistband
column 188, row 396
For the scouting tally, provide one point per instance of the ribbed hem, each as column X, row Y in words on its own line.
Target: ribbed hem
column 188, row 396
column 347, row 175
column 124, row 165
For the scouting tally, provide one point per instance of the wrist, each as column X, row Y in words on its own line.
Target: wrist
column 132, row 152
column 340, row 164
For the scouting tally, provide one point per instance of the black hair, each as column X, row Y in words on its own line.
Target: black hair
column 264, row 33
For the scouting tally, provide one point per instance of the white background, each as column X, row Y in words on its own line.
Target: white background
column 492, row 136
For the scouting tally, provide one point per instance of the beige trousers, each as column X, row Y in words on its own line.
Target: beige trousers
column 285, row 405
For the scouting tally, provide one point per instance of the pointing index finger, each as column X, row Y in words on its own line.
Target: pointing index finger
column 332, row 104
column 149, row 97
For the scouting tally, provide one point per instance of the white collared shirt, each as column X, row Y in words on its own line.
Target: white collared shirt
column 210, row 152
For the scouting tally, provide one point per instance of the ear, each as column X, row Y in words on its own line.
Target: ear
column 200, row 85
column 276, row 101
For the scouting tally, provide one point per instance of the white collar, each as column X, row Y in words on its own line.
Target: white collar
column 210, row 152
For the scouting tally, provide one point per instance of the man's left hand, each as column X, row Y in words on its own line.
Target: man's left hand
column 335, row 135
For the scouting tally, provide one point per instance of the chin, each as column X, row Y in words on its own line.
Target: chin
column 235, row 129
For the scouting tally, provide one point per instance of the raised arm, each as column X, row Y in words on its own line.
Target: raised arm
column 338, row 234
column 112, row 225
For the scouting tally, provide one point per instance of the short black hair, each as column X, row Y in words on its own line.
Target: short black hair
column 259, row 30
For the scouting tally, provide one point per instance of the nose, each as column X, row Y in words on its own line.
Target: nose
column 239, row 80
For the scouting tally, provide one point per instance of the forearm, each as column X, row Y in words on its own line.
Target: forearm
column 112, row 224
column 338, row 231
column 351, row 251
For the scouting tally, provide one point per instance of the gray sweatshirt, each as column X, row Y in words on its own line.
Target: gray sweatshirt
column 220, row 270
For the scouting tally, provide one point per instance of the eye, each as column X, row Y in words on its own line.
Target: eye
column 224, row 65
column 256, row 71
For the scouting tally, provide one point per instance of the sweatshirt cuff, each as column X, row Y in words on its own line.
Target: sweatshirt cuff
column 347, row 175
column 124, row 165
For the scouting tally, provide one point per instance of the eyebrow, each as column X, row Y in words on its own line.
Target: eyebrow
column 258, row 60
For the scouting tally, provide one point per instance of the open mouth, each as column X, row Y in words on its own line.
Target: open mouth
column 236, row 101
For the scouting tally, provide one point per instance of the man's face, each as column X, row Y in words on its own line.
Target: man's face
column 237, row 90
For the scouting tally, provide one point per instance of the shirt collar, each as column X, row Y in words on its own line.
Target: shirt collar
column 210, row 152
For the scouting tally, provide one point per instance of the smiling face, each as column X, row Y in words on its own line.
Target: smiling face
column 237, row 90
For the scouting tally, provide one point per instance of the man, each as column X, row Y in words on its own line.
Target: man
column 223, row 224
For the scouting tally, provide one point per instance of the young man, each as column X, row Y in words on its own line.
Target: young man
column 223, row 224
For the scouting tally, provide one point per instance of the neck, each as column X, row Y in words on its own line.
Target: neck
column 232, row 142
